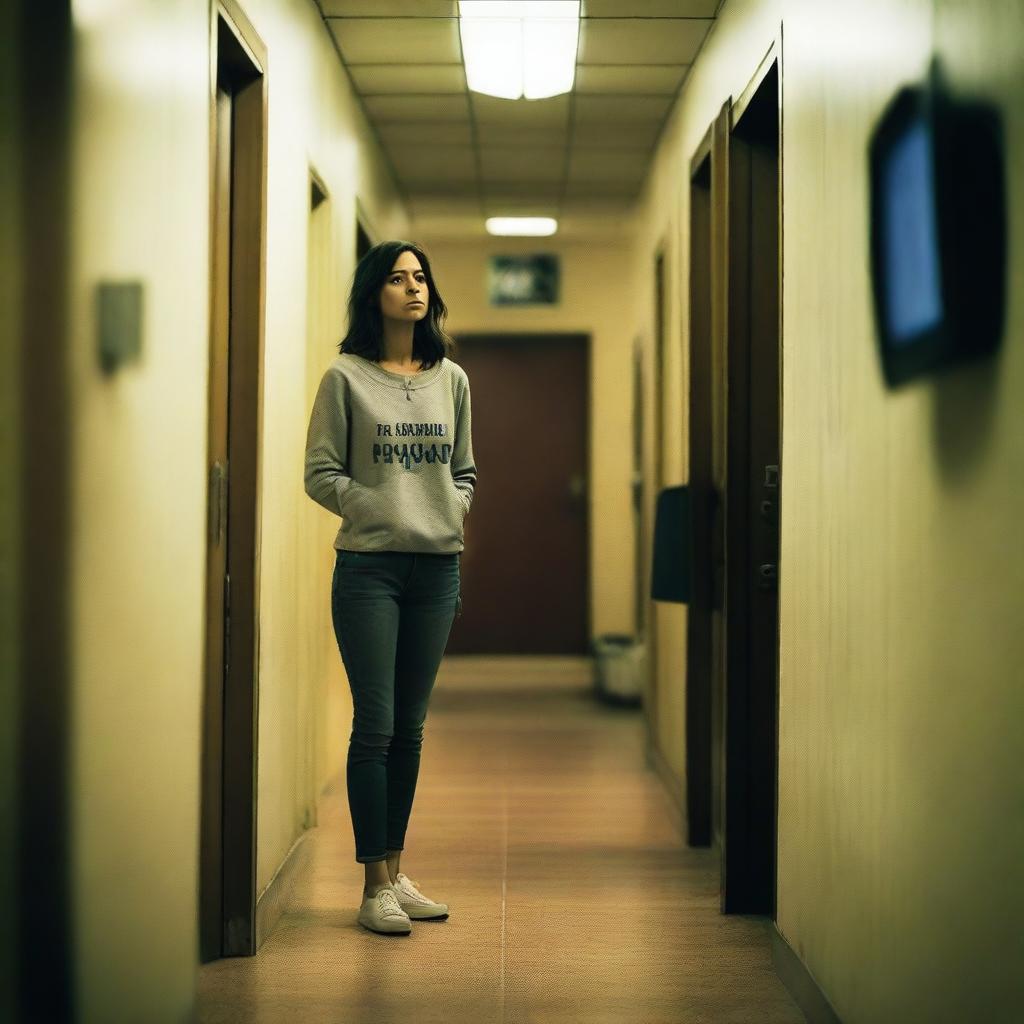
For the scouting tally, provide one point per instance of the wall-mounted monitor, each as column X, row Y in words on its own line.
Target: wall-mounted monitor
column 937, row 231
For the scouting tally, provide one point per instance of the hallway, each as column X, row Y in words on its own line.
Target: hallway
column 690, row 331
column 573, row 896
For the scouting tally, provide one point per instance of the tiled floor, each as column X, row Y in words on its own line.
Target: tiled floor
column 573, row 898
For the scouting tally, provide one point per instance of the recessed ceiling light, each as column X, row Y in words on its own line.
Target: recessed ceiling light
column 515, row 48
column 521, row 225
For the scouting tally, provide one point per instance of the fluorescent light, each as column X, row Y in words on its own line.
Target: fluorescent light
column 514, row 48
column 521, row 225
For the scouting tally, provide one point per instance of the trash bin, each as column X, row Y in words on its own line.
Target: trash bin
column 619, row 662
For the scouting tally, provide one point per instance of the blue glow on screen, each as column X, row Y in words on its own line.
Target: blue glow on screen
column 910, row 236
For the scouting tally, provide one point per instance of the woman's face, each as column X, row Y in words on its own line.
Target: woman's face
column 405, row 285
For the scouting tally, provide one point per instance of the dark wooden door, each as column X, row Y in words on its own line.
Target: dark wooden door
column 238, row 129
column 525, row 567
column 698, row 619
column 752, row 502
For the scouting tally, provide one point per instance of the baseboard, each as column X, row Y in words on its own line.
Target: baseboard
column 675, row 787
column 793, row 973
column 271, row 903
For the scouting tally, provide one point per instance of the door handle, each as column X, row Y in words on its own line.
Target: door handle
column 577, row 486
column 218, row 499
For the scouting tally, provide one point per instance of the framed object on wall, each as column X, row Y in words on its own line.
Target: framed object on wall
column 526, row 280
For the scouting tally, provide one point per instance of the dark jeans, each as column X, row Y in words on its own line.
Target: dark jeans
column 392, row 613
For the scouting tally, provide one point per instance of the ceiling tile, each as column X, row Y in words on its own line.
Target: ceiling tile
column 446, row 197
column 510, row 206
column 390, row 8
column 433, row 162
column 649, row 8
column 494, row 134
column 607, row 164
column 381, row 79
column 534, row 113
column 619, row 135
column 429, row 132
column 629, row 78
column 438, row 182
column 641, row 41
column 397, row 40
column 522, row 163
column 405, row 108
column 535, row 192
column 600, row 189
column 606, row 109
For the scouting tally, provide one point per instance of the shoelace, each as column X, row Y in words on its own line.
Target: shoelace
column 388, row 902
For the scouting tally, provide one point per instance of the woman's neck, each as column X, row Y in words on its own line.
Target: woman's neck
column 398, row 342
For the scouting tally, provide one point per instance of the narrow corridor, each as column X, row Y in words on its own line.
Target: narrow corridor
column 573, row 896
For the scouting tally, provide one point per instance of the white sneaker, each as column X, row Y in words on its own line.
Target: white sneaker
column 381, row 913
column 414, row 903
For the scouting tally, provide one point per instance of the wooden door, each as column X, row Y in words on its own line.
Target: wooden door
column 638, row 492
column 525, row 567
column 698, row 620
column 716, row 511
column 752, row 499
column 238, row 117
column 217, row 582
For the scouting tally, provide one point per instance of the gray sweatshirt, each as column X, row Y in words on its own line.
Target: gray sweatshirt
column 392, row 455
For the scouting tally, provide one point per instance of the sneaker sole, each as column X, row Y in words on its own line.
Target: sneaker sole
column 421, row 916
column 400, row 929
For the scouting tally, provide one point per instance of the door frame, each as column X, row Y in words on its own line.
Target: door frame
column 227, row 901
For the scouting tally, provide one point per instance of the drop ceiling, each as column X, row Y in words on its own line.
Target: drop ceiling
column 465, row 156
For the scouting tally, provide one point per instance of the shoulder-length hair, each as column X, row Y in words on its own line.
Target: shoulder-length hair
column 365, row 337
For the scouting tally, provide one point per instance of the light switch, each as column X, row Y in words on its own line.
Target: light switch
column 119, row 312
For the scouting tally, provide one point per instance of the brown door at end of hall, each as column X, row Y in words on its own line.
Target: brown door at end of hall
column 525, row 567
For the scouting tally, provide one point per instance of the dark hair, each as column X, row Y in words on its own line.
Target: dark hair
column 430, row 342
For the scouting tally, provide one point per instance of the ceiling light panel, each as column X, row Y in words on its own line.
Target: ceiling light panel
column 515, row 49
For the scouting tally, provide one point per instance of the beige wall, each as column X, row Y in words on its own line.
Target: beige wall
column 899, row 795
column 141, row 165
column 593, row 302
column 313, row 121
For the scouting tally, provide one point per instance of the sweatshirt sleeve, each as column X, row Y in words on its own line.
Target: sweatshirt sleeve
column 463, row 465
column 326, row 472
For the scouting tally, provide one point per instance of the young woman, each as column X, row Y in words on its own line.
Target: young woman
column 389, row 449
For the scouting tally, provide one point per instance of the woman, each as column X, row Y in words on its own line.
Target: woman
column 389, row 449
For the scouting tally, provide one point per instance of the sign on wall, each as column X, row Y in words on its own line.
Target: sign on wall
column 523, row 280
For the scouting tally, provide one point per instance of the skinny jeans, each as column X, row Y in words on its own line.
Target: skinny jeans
column 392, row 614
